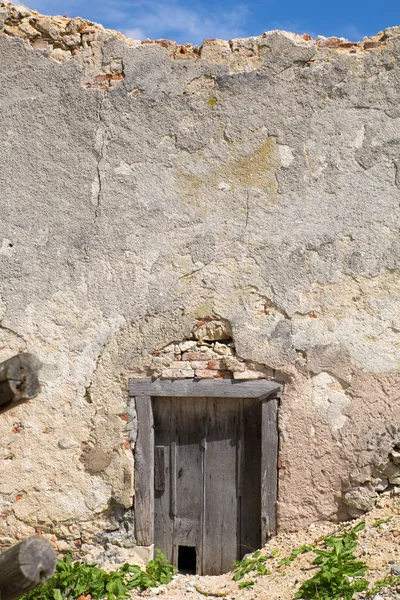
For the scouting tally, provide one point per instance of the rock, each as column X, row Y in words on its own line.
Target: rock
column 394, row 480
column 28, row 30
column 223, row 349
column 66, row 444
column 395, row 457
column 233, row 364
column 188, row 345
column 381, row 484
column 213, row 330
column 389, row 469
column 71, row 41
column 47, row 28
column 395, row 570
column 60, row 55
column 75, row 25
column 360, row 499
column 19, row 12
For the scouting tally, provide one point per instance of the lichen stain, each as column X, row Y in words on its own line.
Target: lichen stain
column 254, row 170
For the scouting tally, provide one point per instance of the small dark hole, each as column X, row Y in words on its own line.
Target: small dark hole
column 187, row 559
column 10, row 245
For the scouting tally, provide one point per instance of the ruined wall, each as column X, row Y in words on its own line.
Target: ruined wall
column 147, row 186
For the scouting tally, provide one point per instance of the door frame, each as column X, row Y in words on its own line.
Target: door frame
column 142, row 391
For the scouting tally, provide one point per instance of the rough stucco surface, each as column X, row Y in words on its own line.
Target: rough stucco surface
column 145, row 186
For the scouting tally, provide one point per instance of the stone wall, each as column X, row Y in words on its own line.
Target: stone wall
column 148, row 186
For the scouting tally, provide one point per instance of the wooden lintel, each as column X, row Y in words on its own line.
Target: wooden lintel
column 215, row 388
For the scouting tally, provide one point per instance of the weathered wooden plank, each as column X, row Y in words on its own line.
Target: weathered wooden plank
column 189, row 416
column 25, row 566
column 220, row 535
column 144, row 472
column 163, row 521
column 250, row 489
column 269, row 468
column 18, row 380
column 159, row 468
column 215, row 388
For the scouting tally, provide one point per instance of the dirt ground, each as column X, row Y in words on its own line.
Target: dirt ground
column 378, row 546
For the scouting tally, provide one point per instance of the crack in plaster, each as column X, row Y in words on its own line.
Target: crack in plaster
column 101, row 135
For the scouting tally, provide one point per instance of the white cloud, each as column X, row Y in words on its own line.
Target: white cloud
column 175, row 20
column 135, row 33
column 154, row 19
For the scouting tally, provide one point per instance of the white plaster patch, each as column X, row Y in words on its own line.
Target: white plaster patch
column 123, row 169
column 329, row 400
column 7, row 247
column 286, row 155
column 2, row 308
column 359, row 138
column 97, row 497
column 95, row 191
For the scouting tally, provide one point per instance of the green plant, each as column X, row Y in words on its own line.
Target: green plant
column 294, row 554
column 340, row 574
column 246, row 584
column 74, row 579
column 378, row 522
column 254, row 562
column 387, row 582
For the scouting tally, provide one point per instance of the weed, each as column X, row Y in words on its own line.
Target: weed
column 72, row 580
column 340, row 574
column 254, row 562
column 294, row 554
column 246, row 584
column 387, row 582
column 378, row 522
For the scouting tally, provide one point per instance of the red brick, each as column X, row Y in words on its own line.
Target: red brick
column 196, row 356
column 211, row 374
column 215, row 364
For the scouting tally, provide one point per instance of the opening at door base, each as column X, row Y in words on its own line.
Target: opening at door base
column 187, row 560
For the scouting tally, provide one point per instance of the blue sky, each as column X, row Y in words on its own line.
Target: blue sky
column 186, row 21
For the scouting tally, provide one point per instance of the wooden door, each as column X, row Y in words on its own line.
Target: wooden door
column 207, row 483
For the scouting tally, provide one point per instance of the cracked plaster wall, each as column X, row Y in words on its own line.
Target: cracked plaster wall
column 145, row 186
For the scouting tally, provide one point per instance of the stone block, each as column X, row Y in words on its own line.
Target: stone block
column 182, row 371
column 187, row 345
column 361, row 499
column 198, row 364
column 223, row 349
column 213, row 330
column 249, row 375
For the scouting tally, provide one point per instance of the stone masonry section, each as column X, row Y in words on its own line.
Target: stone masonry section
column 228, row 210
column 209, row 353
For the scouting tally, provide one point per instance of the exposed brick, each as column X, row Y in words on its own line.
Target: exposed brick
column 211, row 374
column 177, row 364
column 215, row 364
column 331, row 42
column 200, row 355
